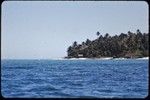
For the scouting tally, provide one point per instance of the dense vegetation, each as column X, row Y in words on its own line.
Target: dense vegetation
column 130, row 45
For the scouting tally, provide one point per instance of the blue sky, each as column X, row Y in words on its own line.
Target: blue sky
column 43, row 30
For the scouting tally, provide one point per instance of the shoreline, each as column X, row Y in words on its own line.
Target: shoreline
column 105, row 58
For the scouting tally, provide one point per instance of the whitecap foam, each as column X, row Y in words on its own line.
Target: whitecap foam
column 144, row 58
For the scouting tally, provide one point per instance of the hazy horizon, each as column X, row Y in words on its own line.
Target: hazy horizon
column 44, row 30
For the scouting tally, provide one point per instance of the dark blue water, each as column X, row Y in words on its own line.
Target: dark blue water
column 74, row 78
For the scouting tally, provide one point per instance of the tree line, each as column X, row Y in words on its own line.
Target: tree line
column 129, row 45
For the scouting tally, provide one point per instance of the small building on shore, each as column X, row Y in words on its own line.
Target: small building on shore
column 80, row 55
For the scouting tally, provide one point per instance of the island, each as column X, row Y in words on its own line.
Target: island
column 124, row 45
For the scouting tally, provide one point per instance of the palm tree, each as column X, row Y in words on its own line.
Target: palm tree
column 106, row 35
column 87, row 42
column 74, row 44
column 138, row 31
column 97, row 33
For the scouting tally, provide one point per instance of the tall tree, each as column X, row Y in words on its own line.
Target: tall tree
column 74, row 44
column 106, row 35
column 138, row 31
column 87, row 42
column 98, row 33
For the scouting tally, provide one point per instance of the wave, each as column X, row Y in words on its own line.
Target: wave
column 120, row 58
column 144, row 58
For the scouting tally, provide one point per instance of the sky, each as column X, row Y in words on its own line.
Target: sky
column 45, row 29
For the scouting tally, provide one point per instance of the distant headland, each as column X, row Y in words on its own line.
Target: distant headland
column 129, row 45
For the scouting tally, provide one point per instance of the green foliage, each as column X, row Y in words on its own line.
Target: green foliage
column 123, row 45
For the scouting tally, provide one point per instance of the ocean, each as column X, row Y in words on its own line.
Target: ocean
column 74, row 78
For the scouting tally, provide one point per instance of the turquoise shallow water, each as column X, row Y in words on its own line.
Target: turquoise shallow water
column 74, row 78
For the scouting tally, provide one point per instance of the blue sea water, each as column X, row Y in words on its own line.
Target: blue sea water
column 74, row 78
